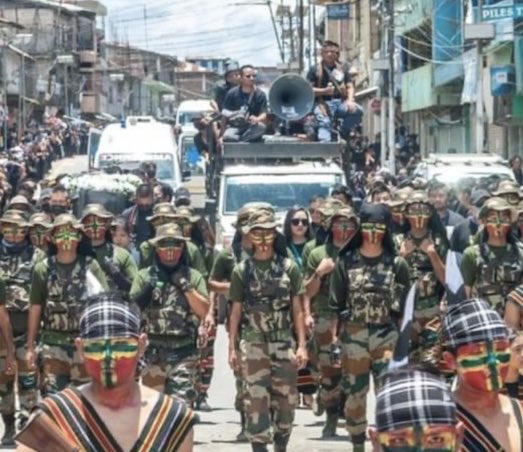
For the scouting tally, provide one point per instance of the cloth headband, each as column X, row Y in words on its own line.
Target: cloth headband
column 106, row 319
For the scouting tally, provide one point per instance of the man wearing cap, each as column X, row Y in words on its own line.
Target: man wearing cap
column 341, row 227
column 16, row 260
column 136, row 216
column 60, row 284
column 59, row 202
column 397, row 213
column 477, row 347
column 182, row 197
column 509, row 191
column 113, row 411
column 39, row 227
column 21, row 204
column 116, row 262
column 368, row 288
column 494, row 267
column 220, row 283
column 415, row 411
column 266, row 289
column 173, row 300
column 231, row 79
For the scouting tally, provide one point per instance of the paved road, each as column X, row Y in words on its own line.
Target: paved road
column 218, row 429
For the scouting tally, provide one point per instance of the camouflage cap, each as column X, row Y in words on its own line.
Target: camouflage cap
column 96, row 210
column 329, row 206
column 246, row 211
column 506, row 187
column 495, row 203
column 168, row 231
column 417, row 197
column 40, row 219
column 66, row 219
column 19, row 199
column 261, row 218
column 400, row 196
column 187, row 212
column 163, row 209
column 14, row 217
column 344, row 212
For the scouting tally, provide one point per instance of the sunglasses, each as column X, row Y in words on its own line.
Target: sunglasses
column 298, row 221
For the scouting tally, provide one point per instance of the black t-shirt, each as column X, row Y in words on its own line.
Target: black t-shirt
column 220, row 91
column 341, row 75
column 236, row 99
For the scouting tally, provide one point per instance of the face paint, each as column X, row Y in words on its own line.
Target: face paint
column 263, row 239
column 343, row 230
column 95, row 227
column 373, row 232
column 13, row 233
column 169, row 251
column 418, row 215
column 66, row 238
column 498, row 224
column 427, row 438
column 484, row 365
column 397, row 215
column 111, row 362
column 38, row 236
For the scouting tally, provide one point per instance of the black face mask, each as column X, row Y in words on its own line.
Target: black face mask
column 58, row 210
column 145, row 208
column 46, row 208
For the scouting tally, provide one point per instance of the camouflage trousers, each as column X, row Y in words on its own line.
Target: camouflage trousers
column 270, row 380
column 241, row 389
column 329, row 391
column 61, row 367
column 25, row 379
column 206, row 363
column 172, row 371
column 422, row 337
column 365, row 349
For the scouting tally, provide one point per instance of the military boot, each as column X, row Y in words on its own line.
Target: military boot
column 329, row 429
column 242, row 437
column 358, row 443
column 201, row 403
column 259, row 447
column 280, row 443
column 9, row 430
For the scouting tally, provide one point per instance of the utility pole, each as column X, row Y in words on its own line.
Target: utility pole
column 145, row 25
column 311, row 25
column 480, row 124
column 4, row 77
column 291, row 34
column 301, row 35
column 392, row 102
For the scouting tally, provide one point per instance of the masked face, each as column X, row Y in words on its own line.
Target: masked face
column 426, row 438
column 484, row 365
column 111, row 362
column 418, row 215
column 343, row 230
column 13, row 233
column 95, row 227
column 56, row 210
column 169, row 251
column 373, row 232
column 39, row 236
column 397, row 215
column 497, row 223
column 262, row 239
column 186, row 227
column 66, row 238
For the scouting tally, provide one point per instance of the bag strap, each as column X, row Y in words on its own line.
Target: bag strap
column 516, row 406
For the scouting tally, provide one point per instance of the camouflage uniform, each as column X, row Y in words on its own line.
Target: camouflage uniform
column 170, row 324
column 60, row 289
column 39, row 227
column 16, row 273
column 265, row 290
column 397, row 208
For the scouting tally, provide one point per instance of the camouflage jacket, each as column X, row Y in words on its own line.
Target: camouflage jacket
column 16, row 270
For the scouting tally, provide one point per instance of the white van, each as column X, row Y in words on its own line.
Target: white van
column 189, row 109
column 139, row 139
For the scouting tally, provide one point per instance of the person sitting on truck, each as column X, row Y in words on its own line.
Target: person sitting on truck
column 334, row 92
column 231, row 79
column 244, row 109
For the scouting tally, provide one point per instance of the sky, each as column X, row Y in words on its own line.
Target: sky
column 217, row 28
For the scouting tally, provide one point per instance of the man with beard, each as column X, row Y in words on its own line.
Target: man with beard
column 16, row 259
column 136, row 216
column 266, row 289
column 116, row 262
column 369, row 285
column 494, row 267
column 173, row 300
column 60, row 284
column 319, row 317
column 477, row 347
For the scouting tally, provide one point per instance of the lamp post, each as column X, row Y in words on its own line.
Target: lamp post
column 66, row 61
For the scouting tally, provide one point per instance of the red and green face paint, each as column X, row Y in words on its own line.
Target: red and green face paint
column 111, row 362
column 343, row 230
column 397, row 214
column 418, row 215
column 262, row 239
column 95, row 227
column 498, row 223
column 426, row 438
column 484, row 365
column 39, row 236
column 169, row 251
column 373, row 232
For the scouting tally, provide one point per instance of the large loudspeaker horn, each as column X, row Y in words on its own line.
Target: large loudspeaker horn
column 291, row 97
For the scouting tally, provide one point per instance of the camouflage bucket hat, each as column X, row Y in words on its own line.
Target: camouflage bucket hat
column 246, row 211
column 163, row 209
column 506, row 187
column 66, row 219
column 14, row 217
column 400, row 197
column 418, row 197
column 40, row 219
column 497, row 204
column 330, row 206
column 168, row 231
column 519, row 208
column 19, row 199
column 262, row 218
column 187, row 212
column 344, row 212
column 96, row 210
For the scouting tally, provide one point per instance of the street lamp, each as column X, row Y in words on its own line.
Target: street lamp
column 66, row 60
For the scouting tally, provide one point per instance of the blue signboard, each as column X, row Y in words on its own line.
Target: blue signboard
column 338, row 11
column 497, row 12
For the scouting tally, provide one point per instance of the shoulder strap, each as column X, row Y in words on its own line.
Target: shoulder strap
column 516, row 406
column 247, row 267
